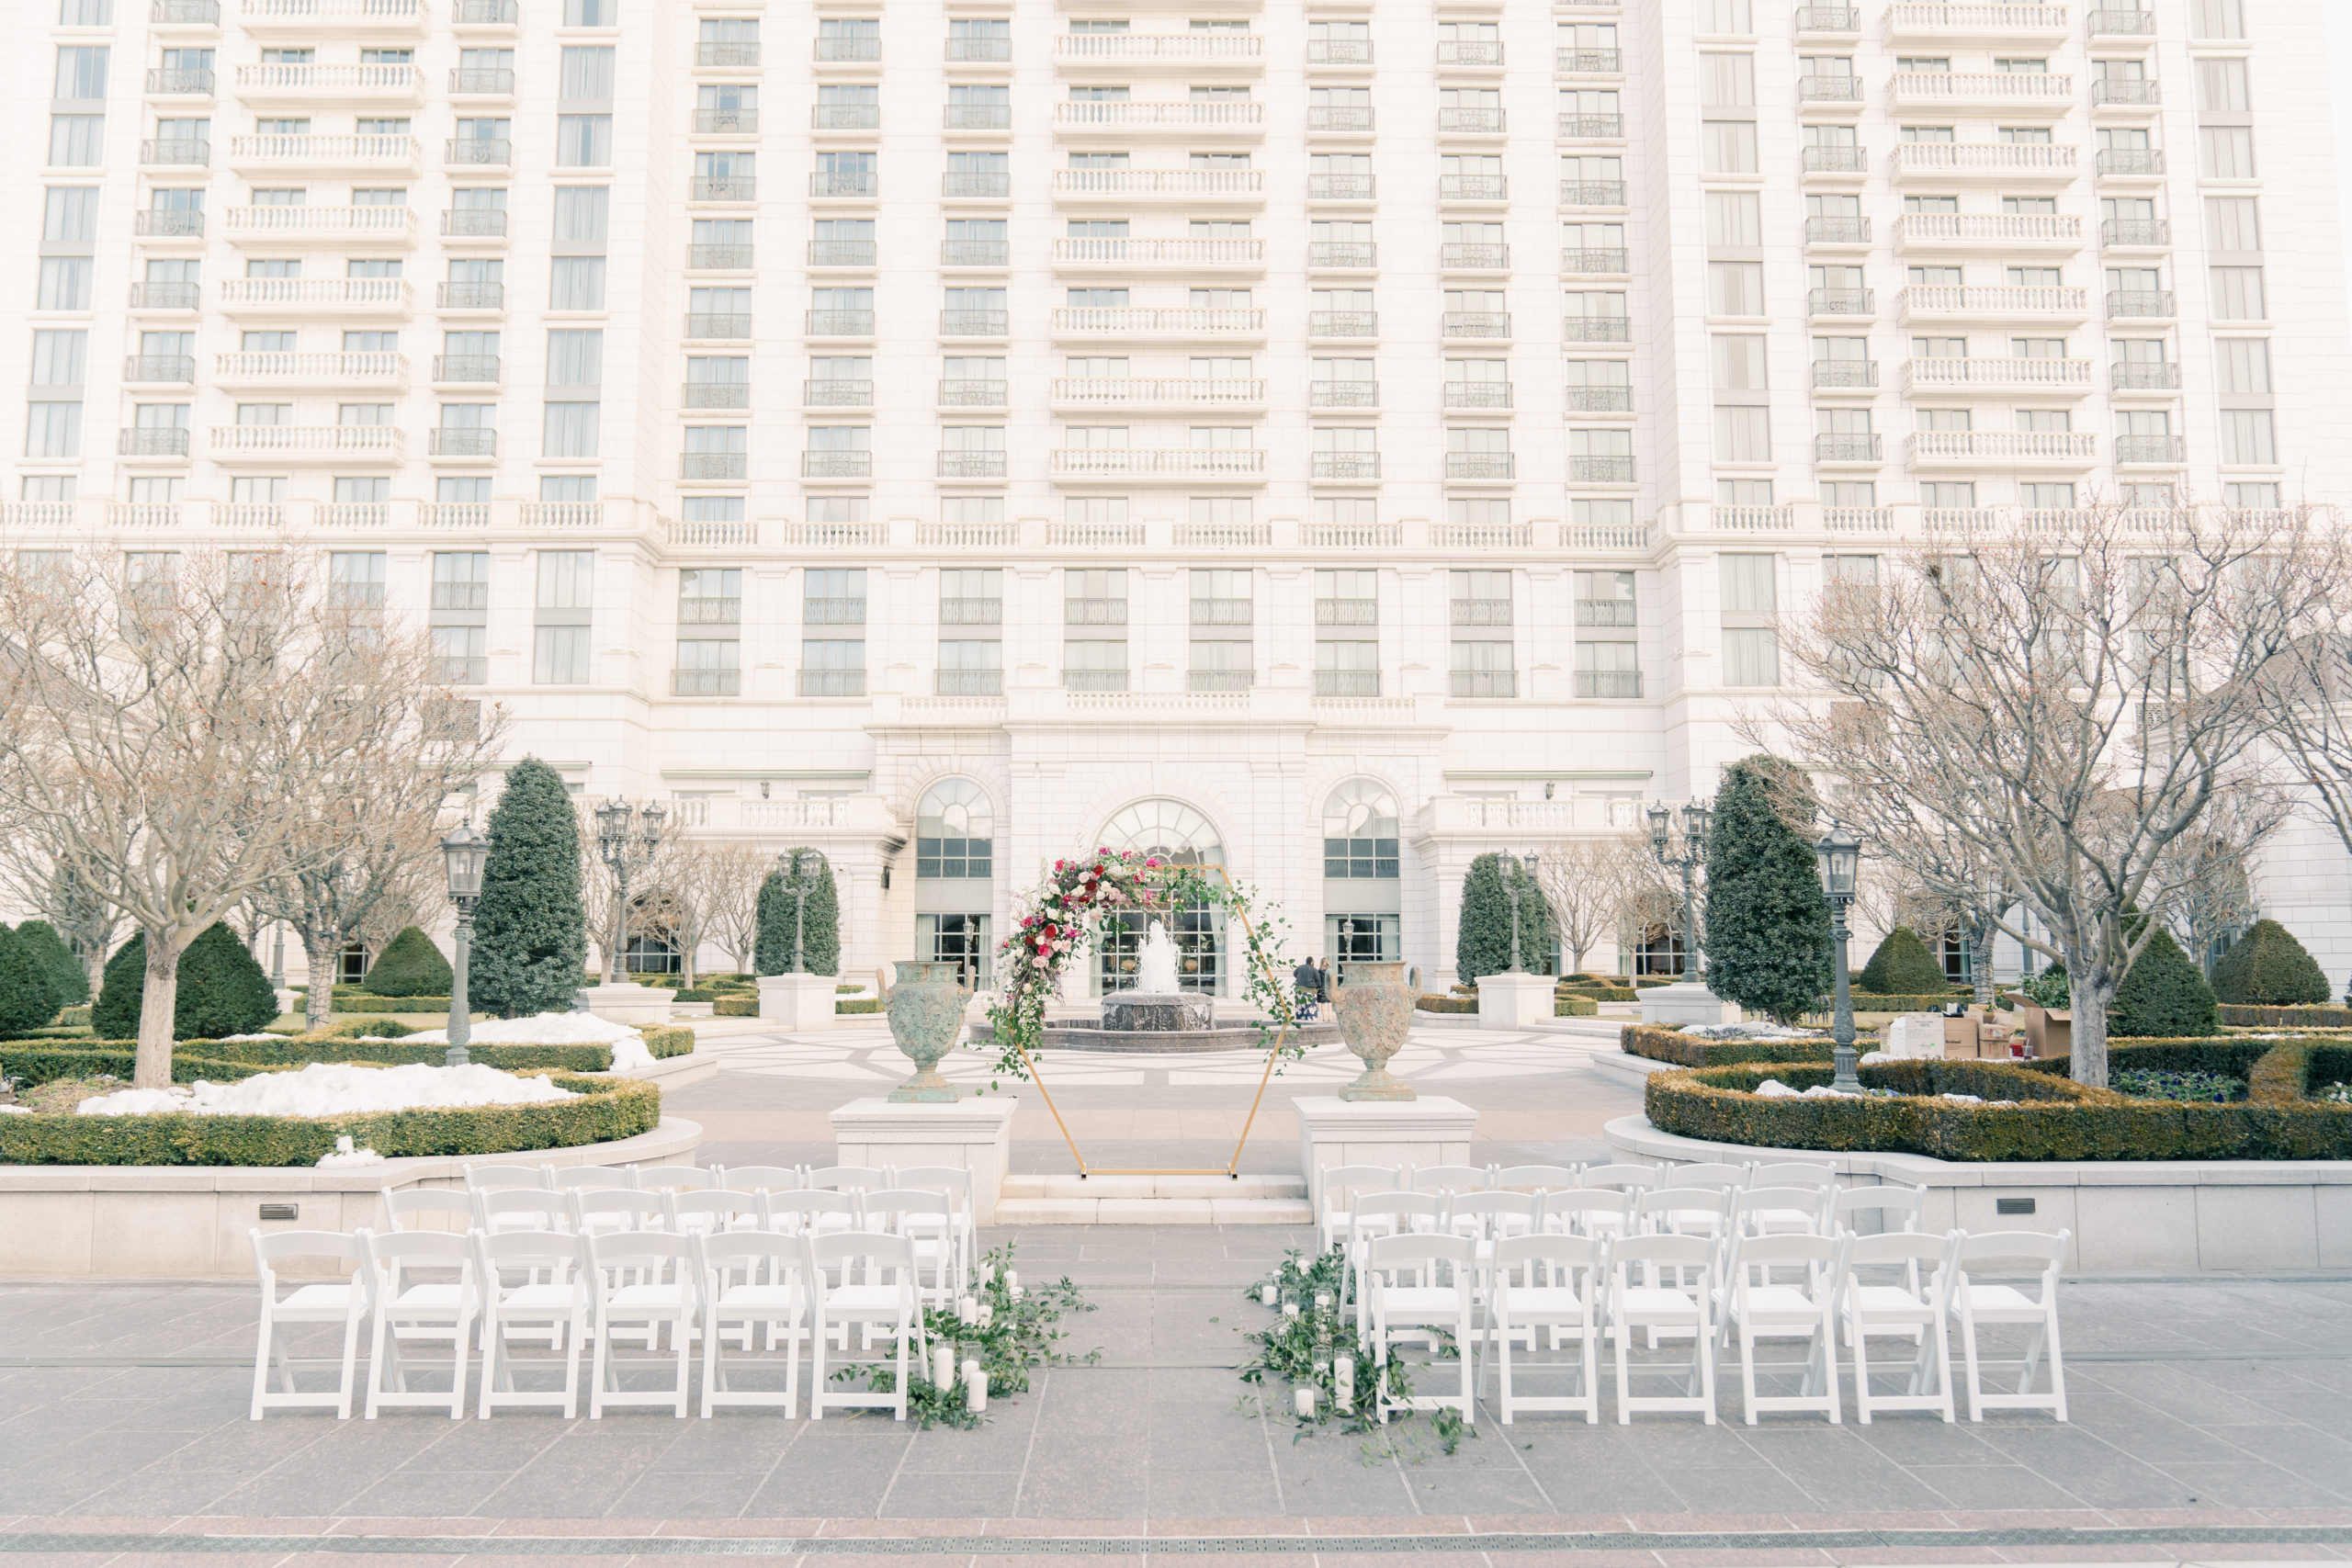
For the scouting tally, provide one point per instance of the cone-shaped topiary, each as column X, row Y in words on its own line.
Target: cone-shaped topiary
column 780, row 916
column 530, row 932
column 27, row 989
column 410, row 966
column 1482, row 937
column 2163, row 995
column 222, row 989
column 2267, row 967
column 1903, row 968
column 71, row 981
column 1768, row 922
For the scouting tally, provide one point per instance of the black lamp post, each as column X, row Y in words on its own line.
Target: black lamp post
column 1691, row 856
column 463, row 852
column 625, row 854
column 800, row 868
column 1840, row 854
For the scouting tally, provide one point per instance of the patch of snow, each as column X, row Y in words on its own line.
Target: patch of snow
column 226, row 1038
column 1965, row 1098
column 630, row 1052
column 340, row 1160
column 325, row 1089
column 540, row 1029
column 1749, row 1031
column 1773, row 1089
column 15, row 1110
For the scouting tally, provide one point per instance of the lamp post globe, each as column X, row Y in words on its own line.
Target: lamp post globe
column 1840, row 855
column 463, row 854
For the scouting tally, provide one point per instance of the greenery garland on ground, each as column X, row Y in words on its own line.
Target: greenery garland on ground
column 1298, row 1349
column 1020, row 1336
column 1082, row 898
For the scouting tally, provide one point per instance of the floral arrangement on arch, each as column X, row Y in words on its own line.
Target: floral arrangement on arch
column 1080, row 897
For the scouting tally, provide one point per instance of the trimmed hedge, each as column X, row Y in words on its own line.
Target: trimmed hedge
column 1901, row 964
column 2267, row 967
column 1597, row 992
column 2231, row 1055
column 668, row 1039
column 74, row 1016
column 860, row 1004
column 2055, row 1118
column 348, row 1002
column 1687, row 1051
column 735, row 1007
column 605, row 1111
column 693, row 994
column 411, row 966
column 1446, row 1004
column 221, row 990
column 1575, row 1006
column 1923, row 1001
column 39, row 1062
column 2247, row 1016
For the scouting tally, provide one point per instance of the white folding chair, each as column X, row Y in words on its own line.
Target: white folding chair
column 1544, row 1286
column 1704, row 1176
column 591, row 1179
column 705, row 1214
column 1339, row 1185
column 660, row 1289
column 675, row 1178
column 751, row 1281
column 609, row 1210
column 1781, row 1211
column 341, row 1300
column 759, row 1178
column 1643, row 1304
column 1485, row 1214
column 955, row 1183
column 1403, row 1300
column 845, row 1178
column 1904, row 1205
column 428, row 1209
column 927, row 1220
column 1682, row 1210
column 551, row 1302
column 1622, row 1178
column 810, row 1214
column 879, row 1304
column 1912, row 1308
column 1751, row 1305
column 502, row 1178
column 1446, row 1181
column 1599, row 1212
column 1535, row 1178
column 1795, row 1173
column 1377, row 1214
column 1975, row 1305
column 500, row 1209
column 437, row 1309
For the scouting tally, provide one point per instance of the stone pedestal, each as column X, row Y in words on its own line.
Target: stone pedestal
column 1432, row 1130
column 1686, row 1001
column 640, row 1007
column 1514, row 1001
column 973, row 1134
column 798, row 1001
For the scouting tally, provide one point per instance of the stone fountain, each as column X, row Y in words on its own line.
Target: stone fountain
column 1158, row 1015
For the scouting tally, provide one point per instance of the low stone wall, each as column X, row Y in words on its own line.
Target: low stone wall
column 2126, row 1216
column 180, row 1222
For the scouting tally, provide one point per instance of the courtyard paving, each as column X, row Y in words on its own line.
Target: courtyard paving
column 2213, row 1417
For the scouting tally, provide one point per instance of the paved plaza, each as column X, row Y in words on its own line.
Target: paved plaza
column 2213, row 1417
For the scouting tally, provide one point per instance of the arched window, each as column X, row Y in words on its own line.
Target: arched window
column 955, row 832
column 1166, row 828
column 1174, row 831
column 1360, row 830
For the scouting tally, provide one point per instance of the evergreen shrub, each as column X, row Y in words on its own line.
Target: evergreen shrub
column 2267, row 967
column 530, row 933
column 69, row 979
column 411, row 966
column 1482, row 936
column 222, row 989
column 27, row 989
column 1902, row 967
column 2162, row 994
column 819, row 926
column 1768, row 922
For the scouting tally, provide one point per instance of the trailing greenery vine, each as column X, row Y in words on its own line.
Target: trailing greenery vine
column 1300, row 1350
column 1020, row 1334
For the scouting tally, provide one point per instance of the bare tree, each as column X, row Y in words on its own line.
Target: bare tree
column 2059, row 709
column 37, row 877
column 2214, row 896
column 169, row 723
column 733, row 876
column 690, row 899
column 1587, row 883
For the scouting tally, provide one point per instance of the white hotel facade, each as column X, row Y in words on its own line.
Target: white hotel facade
column 1339, row 438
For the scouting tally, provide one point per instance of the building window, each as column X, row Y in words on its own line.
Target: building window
column 955, row 832
column 1751, row 647
column 1360, row 832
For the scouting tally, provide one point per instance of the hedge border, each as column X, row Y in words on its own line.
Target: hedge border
column 1683, row 1051
column 40, row 1062
column 2246, row 1015
column 2057, row 1118
column 605, row 1111
column 1922, row 1001
column 1445, row 1004
column 735, row 1007
column 346, row 1002
column 1575, row 1006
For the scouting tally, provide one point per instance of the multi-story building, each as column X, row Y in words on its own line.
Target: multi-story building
column 1336, row 439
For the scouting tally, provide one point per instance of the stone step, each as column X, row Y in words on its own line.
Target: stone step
column 1153, row 1211
column 1223, row 1188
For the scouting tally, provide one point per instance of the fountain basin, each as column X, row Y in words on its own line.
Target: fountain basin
column 1163, row 1013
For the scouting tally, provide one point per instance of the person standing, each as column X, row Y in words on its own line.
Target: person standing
column 1306, row 989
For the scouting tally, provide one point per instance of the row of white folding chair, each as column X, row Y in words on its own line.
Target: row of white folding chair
column 1338, row 1184
column 591, row 1178
column 577, row 1290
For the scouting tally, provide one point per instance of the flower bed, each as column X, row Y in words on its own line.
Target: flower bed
column 599, row 1110
column 1691, row 1051
column 2053, row 1118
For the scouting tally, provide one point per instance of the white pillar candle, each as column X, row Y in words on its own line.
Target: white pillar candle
column 988, row 1313
column 1306, row 1401
column 976, row 1388
column 1343, row 1382
column 1267, row 1294
column 1011, row 1282
column 943, row 1366
column 1290, row 1309
column 966, row 1310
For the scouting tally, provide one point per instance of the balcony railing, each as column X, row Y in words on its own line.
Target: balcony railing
column 971, row 465
column 176, row 224
column 743, row 122
column 723, row 188
column 841, row 323
column 1174, row 49
column 970, row 683
column 1598, row 329
column 715, row 467
column 975, row 184
column 485, row 13
column 1609, row 682
column 1347, row 466
column 380, row 370
column 843, row 252
column 2135, row 234
column 1837, row 230
column 1836, row 160
column 976, row 252
column 324, row 295
column 717, row 395
column 1347, row 682
column 481, row 81
column 2131, row 163
column 1474, row 324
column 837, row 393
column 1588, row 62
column 833, row 682
column 1343, row 324
column 2139, row 375
column 1829, row 20
column 1187, row 183
column 2151, row 448
column 850, row 50
column 2139, row 304
column 1473, row 187
column 980, row 51
column 1343, row 394
column 1996, row 230
column 1470, row 52
column 370, row 153
column 2127, row 92
column 1343, row 254
column 1218, row 680
column 1339, row 187
column 964, row 392
column 1846, row 446
column 1600, row 470
column 1840, row 301
column 1144, row 391
column 1984, row 89
column 474, row 222
column 1992, row 302
column 1592, row 127
column 165, row 296
column 978, row 117
column 1162, row 462
column 1476, row 394
column 465, row 368
column 1997, row 373
column 461, row 441
column 720, row 257
column 184, row 13
column 1347, row 611
column 1095, row 680
column 1592, row 193
column 724, row 326
column 1830, row 374
column 1829, row 89
column 837, row 464
column 193, row 151
column 161, row 369
column 2065, row 447
column 2108, row 22
column 1973, row 19
column 1470, row 120
column 1104, row 610
column 174, row 81
column 1340, row 119
column 1598, row 400
column 307, row 441
column 1475, row 467
column 1179, row 322
column 479, row 151
column 152, row 442
column 975, row 323
column 710, row 610
column 845, row 117
column 1595, row 259
column 1458, row 255
column 1987, row 160
column 1193, row 115
column 320, row 224
column 727, row 56
column 335, row 84
column 1339, row 52
column 1159, row 253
